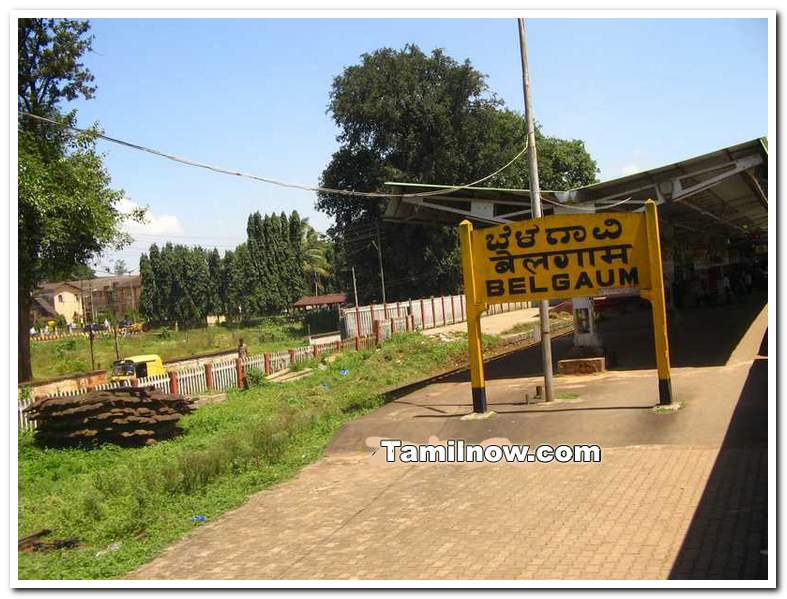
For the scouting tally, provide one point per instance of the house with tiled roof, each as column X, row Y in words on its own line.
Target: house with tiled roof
column 55, row 299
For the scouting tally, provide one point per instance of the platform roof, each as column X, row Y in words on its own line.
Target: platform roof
column 724, row 192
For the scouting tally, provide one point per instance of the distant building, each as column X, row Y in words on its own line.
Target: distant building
column 118, row 295
column 83, row 300
column 57, row 299
column 317, row 302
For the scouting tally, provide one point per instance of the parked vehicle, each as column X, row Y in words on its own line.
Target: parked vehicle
column 136, row 367
column 93, row 326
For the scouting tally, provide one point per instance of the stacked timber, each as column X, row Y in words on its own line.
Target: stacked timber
column 129, row 416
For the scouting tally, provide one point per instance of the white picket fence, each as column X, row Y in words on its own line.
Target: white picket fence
column 191, row 382
column 427, row 313
column 160, row 382
column 279, row 360
column 76, row 335
column 392, row 318
column 25, row 424
column 302, row 353
column 257, row 362
column 225, row 375
column 83, row 390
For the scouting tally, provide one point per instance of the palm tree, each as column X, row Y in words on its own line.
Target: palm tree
column 315, row 263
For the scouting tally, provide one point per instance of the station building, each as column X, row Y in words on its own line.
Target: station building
column 713, row 216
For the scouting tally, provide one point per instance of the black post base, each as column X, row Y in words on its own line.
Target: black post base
column 665, row 392
column 479, row 400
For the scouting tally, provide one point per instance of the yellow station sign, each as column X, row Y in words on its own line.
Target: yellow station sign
column 561, row 256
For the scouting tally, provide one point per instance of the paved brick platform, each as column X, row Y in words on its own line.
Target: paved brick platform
column 679, row 495
column 343, row 519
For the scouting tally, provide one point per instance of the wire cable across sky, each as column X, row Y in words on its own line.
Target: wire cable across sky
column 216, row 169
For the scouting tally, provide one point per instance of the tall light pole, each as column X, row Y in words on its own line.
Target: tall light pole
column 357, row 308
column 378, row 245
column 535, row 199
column 92, row 304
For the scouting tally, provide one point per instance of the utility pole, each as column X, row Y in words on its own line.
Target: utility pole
column 357, row 313
column 117, row 349
column 131, row 291
column 378, row 245
column 535, row 199
column 92, row 303
column 92, row 335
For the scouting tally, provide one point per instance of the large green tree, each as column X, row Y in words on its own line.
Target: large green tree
column 276, row 259
column 214, row 304
column 265, row 275
column 148, row 299
column 67, row 211
column 315, row 251
column 177, row 286
column 405, row 115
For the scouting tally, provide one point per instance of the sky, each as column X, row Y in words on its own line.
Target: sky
column 252, row 95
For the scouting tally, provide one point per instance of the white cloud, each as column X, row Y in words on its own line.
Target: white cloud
column 155, row 224
column 630, row 169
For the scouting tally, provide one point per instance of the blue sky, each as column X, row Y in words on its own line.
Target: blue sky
column 252, row 95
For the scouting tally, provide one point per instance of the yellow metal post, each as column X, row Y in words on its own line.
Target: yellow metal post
column 473, row 319
column 657, row 303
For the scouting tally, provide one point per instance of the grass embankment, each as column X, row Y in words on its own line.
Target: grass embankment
column 145, row 498
column 72, row 355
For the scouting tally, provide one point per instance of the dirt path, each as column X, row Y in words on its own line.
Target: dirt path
column 495, row 324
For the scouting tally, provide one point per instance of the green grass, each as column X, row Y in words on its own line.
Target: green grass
column 72, row 355
column 145, row 498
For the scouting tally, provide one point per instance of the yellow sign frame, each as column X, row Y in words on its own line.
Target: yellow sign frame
column 570, row 243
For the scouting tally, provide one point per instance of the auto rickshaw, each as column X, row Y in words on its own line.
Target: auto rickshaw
column 136, row 367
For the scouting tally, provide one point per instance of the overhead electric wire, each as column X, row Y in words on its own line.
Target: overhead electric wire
column 168, row 236
column 367, row 194
column 318, row 189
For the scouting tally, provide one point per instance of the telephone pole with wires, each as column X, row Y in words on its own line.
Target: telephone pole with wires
column 535, row 199
column 378, row 245
column 357, row 307
column 370, row 234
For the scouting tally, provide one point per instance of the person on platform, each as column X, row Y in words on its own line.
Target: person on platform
column 726, row 288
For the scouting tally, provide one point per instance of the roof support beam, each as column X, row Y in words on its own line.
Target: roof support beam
column 468, row 215
column 684, row 192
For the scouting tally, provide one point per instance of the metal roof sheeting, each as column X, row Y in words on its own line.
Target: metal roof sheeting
column 724, row 191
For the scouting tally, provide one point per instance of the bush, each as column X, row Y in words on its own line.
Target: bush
column 67, row 365
column 255, row 377
column 63, row 346
column 165, row 333
column 25, row 392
